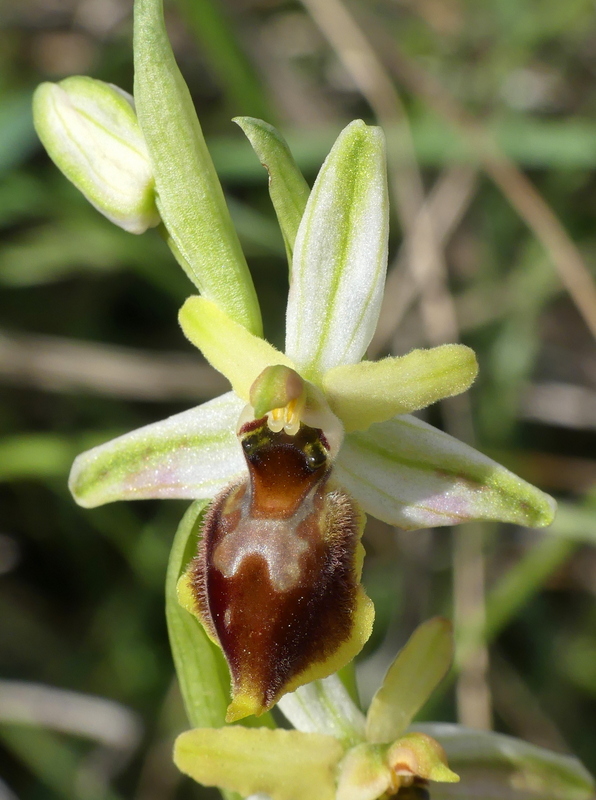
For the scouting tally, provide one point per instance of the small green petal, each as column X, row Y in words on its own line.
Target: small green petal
column 287, row 187
column 410, row 680
column 91, row 132
column 374, row 391
column 340, row 256
column 190, row 198
column 285, row 765
column 228, row 346
column 497, row 766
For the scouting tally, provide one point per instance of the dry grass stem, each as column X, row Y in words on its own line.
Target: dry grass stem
column 515, row 185
column 446, row 204
column 62, row 365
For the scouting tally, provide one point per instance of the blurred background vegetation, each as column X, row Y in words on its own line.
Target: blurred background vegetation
column 489, row 110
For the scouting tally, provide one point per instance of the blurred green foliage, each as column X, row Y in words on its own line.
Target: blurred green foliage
column 81, row 592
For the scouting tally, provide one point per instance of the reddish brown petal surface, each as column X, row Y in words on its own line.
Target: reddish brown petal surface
column 277, row 577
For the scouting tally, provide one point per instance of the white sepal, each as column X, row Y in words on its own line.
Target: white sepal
column 325, row 706
column 412, row 475
column 190, row 455
column 340, row 256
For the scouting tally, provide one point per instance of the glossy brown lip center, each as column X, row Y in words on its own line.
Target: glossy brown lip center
column 283, row 469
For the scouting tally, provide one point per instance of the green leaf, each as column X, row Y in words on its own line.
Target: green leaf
column 212, row 27
column 35, row 456
column 17, row 134
column 340, row 256
column 287, row 187
column 200, row 666
column 419, row 667
column 374, row 391
column 492, row 765
column 190, row 198
column 53, row 762
column 285, row 765
column 523, row 579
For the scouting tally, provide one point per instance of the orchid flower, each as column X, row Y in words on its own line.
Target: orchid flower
column 304, row 444
column 338, row 753
column 308, row 441
column 335, row 752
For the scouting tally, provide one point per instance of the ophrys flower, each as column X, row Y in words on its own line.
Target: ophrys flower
column 335, row 753
column 338, row 753
column 324, row 436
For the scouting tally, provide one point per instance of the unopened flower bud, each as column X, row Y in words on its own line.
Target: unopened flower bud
column 91, row 132
column 371, row 771
column 418, row 755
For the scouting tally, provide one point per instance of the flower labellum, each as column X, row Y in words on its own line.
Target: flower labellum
column 276, row 582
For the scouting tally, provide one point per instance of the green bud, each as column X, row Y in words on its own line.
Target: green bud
column 90, row 131
column 419, row 755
